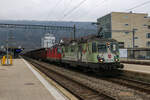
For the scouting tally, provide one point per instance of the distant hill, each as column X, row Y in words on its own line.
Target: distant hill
column 31, row 39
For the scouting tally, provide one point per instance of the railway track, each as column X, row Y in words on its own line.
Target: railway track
column 91, row 88
column 134, row 84
column 80, row 91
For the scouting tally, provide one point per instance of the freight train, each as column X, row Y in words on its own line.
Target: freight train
column 95, row 54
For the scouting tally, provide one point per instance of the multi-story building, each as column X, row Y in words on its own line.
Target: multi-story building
column 48, row 40
column 120, row 26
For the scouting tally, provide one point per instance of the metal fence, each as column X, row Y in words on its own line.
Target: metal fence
column 138, row 53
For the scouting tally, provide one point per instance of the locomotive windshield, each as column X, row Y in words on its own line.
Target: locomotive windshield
column 114, row 47
column 58, row 50
column 102, row 48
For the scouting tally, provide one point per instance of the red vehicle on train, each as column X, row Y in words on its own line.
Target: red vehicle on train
column 52, row 54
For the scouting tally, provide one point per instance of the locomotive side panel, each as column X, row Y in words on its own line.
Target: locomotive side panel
column 93, row 54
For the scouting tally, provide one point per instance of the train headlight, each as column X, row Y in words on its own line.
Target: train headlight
column 100, row 59
column 116, row 60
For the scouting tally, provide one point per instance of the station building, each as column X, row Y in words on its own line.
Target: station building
column 48, row 40
column 120, row 26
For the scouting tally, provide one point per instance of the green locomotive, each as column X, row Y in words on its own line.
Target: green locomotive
column 94, row 53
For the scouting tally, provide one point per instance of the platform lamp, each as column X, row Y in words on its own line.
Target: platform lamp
column 2, row 47
column 133, row 38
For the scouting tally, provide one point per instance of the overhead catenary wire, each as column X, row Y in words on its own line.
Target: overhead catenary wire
column 66, row 8
column 73, row 9
column 98, row 4
column 54, row 7
column 137, row 6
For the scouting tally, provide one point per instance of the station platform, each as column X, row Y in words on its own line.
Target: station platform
column 135, row 61
column 137, row 68
column 137, row 72
column 21, row 82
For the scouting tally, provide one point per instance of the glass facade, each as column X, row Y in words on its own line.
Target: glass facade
column 105, row 23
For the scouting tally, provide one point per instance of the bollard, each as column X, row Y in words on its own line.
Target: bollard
column 11, row 60
column 4, row 59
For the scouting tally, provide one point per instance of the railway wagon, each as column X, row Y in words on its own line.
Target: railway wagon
column 39, row 54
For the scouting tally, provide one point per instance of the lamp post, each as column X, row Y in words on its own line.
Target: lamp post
column 133, row 36
column 74, row 32
column 7, row 49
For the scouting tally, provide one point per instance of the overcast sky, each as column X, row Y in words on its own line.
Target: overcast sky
column 55, row 10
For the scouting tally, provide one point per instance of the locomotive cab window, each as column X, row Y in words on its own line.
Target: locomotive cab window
column 66, row 49
column 94, row 47
column 62, row 50
column 58, row 50
column 101, row 48
column 114, row 47
column 72, row 49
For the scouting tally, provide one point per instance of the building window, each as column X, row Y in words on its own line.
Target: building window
column 144, row 25
column 148, row 26
column 148, row 35
column 126, row 32
column 135, row 37
column 148, row 44
column 94, row 47
column 125, row 16
column 126, row 24
column 121, row 44
column 145, row 16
